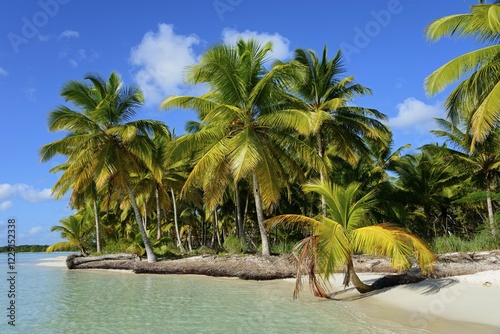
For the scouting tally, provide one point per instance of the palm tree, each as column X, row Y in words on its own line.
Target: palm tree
column 76, row 230
column 339, row 129
column 429, row 182
column 482, row 164
column 476, row 99
column 346, row 230
column 245, row 135
column 103, row 144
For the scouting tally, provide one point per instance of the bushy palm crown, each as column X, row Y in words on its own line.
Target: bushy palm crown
column 243, row 127
column 477, row 98
column 338, row 127
column 103, row 143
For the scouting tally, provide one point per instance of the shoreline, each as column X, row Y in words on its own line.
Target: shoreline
column 448, row 304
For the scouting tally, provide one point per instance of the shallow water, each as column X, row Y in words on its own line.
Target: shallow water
column 57, row 300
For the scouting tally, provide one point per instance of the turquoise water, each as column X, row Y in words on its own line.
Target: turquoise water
column 57, row 300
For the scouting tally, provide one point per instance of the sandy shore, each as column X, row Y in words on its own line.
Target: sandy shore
column 57, row 261
column 459, row 304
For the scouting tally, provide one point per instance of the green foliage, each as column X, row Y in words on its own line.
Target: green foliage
column 234, row 245
column 282, row 247
column 480, row 242
column 114, row 247
column 31, row 249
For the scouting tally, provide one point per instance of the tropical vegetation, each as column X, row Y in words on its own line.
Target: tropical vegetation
column 278, row 145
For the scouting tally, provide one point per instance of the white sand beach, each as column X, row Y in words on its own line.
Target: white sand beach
column 459, row 304
column 57, row 261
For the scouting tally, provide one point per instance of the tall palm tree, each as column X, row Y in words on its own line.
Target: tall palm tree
column 482, row 164
column 346, row 230
column 76, row 230
column 104, row 145
column 337, row 127
column 245, row 134
column 476, row 99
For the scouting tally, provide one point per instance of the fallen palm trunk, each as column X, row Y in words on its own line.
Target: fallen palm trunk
column 74, row 261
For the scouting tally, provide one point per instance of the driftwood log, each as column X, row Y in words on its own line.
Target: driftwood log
column 73, row 261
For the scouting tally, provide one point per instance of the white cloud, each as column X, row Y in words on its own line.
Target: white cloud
column 35, row 230
column 281, row 45
column 162, row 58
column 24, row 191
column 416, row 115
column 3, row 73
column 69, row 34
column 5, row 205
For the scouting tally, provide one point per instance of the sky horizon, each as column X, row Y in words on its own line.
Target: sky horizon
column 45, row 43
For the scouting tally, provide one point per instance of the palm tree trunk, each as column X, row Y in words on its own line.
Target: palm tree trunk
column 321, row 175
column 352, row 277
column 149, row 251
column 491, row 216
column 216, row 228
column 179, row 242
column 97, row 234
column 239, row 216
column 260, row 216
column 190, row 247
column 158, row 214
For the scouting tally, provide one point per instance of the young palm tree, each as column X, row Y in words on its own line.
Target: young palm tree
column 477, row 98
column 76, row 230
column 103, row 144
column 244, row 134
column 346, row 230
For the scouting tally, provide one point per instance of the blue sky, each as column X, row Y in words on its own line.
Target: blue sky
column 45, row 43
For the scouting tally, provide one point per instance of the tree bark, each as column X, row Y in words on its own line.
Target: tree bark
column 97, row 234
column 149, row 250
column 352, row 277
column 158, row 214
column 239, row 215
column 321, row 175
column 260, row 216
column 491, row 216
column 179, row 242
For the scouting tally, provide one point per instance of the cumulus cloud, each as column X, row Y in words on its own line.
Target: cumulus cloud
column 416, row 115
column 69, row 34
column 3, row 73
column 5, row 205
column 161, row 58
column 281, row 45
column 24, row 191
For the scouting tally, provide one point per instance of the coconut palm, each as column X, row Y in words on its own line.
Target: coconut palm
column 76, row 230
column 346, row 230
column 338, row 128
column 104, row 145
column 429, row 182
column 476, row 99
column 482, row 164
column 244, row 134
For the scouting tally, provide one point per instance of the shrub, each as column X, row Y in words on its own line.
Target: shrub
column 233, row 245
